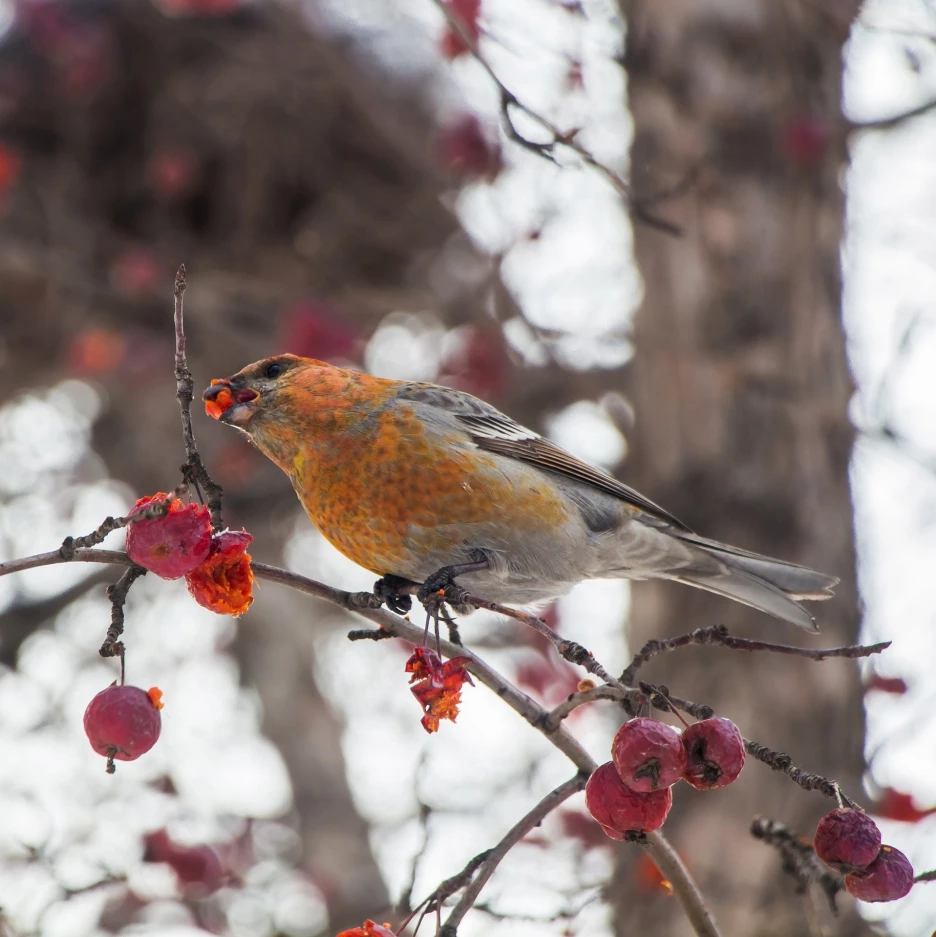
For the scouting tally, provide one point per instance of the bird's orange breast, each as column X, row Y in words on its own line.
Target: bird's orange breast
column 398, row 496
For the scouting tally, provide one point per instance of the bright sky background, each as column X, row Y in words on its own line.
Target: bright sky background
column 482, row 774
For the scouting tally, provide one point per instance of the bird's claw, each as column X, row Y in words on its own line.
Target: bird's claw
column 389, row 590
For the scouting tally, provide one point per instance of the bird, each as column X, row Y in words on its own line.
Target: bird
column 425, row 484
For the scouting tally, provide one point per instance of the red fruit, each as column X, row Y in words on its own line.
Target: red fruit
column 715, row 753
column 172, row 171
column 888, row 878
column 805, row 139
column 123, row 722
column 619, row 809
column 847, row 840
column 465, row 149
column 173, row 545
column 648, row 755
column 197, row 868
column 896, row 805
column 369, row 929
column 466, row 11
column 312, row 329
column 224, row 581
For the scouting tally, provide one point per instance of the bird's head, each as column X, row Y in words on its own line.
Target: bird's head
column 262, row 389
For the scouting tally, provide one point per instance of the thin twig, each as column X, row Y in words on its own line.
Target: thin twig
column 926, row 876
column 685, row 889
column 117, row 593
column 569, row 650
column 513, row 836
column 719, row 636
column 193, row 469
column 110, row 524
column 780, row 761
column 572, row 702
column 639, row 208
column 799, row 859
column 673, row 870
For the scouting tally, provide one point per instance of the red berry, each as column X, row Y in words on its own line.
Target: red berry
column 619, row 809
column 847, row 840
column 648, row 755
column 888, row 878
column 715, row 753
column 197, row 868
column 173, row 545
column 123, row 722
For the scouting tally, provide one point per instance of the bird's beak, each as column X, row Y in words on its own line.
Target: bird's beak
column 229, row 403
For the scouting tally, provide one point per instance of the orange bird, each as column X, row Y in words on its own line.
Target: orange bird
column 420, row 483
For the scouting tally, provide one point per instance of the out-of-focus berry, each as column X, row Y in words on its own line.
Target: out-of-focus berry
column 123, row 722
column 172, row 545
column 847, row 840
column 197, row 868
column 466, row 150
column 715, row 753
column 172, row 172
column 466, row 11
column 648, row 755
column 224, row 581
column 888, row 878
column 619, row 809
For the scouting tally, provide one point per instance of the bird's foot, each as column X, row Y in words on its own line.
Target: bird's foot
column 393, row 591
column 441, row 589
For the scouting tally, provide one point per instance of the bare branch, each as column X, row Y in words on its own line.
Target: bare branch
column 684, row 887
column 639, row 208
column 193, row 469
column 117, row 593
column 799, row 859
column 574, row 700
column 514, row 835
column 718, row 635
column 808, row 781
column 569, row 650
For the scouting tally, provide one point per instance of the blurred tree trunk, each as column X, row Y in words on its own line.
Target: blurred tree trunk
column 740, row 386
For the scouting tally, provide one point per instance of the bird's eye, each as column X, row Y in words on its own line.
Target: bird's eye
column 274, row 369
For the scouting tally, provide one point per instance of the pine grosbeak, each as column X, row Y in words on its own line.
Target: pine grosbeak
column 408, row 478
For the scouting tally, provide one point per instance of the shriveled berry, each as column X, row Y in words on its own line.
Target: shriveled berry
column 648, row 755
column 224, row 581
column 847, row 840
column 172, row 545
column 123, row 722
column 888, row 878
column 714, row 752
column 619, row 809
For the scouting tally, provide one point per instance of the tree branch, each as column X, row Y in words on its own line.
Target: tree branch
column 719, row 636
column 638, row 208
column 685, row 889
column 514, row 835
column 193, row 469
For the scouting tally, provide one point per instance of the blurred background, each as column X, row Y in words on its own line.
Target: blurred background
column 750, row 343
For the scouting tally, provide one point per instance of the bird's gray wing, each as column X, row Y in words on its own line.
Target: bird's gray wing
column 494, row 431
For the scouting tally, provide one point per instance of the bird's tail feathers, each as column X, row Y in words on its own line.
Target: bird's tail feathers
column 772, row 586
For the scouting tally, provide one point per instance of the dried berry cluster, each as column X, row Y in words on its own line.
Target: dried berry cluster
column 849, row 841
column 216, row 566
column 632, row 793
